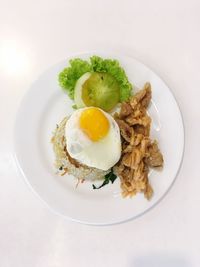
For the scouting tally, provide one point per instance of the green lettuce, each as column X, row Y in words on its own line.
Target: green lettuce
column 68, row 77
column 77, row 67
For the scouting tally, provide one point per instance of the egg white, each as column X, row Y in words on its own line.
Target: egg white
column 102, row 154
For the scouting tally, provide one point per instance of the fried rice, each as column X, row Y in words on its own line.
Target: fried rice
column 65, row 164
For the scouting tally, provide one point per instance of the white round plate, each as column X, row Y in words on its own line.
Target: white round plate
column 45, row 105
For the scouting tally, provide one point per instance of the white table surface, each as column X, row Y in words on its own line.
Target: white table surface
column 165, row 35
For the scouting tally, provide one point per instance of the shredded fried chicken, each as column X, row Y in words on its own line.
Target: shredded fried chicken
column 155, row 158
column 126, row 110
column 125, row 129
column 139, row 152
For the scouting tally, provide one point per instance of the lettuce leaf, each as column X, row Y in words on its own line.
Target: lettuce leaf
column 69, row 76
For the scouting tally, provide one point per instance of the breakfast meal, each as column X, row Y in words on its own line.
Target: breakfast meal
column 108, row 134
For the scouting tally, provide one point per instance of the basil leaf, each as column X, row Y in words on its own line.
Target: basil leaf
column 105, row 182
column 108, row 177
column 112, row 178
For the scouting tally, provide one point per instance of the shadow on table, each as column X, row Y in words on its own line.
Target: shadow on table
column 160, row 260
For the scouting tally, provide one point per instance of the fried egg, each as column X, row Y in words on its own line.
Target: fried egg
column 93, row 138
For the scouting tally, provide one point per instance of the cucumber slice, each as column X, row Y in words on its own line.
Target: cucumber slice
column 101, row 90
column 78, row 90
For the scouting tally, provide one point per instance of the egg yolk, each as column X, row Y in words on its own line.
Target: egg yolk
column 94, row 123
